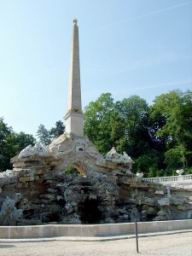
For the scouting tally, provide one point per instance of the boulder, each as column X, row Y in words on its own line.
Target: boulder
column 38, row 149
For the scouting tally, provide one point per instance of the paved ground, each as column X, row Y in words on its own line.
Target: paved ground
column 176, row 245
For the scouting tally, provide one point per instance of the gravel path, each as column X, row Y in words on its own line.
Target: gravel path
column 176, row 245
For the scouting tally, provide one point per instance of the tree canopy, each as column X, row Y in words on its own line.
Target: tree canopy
column 11, row 143
column 45, row 136
column 158, row 136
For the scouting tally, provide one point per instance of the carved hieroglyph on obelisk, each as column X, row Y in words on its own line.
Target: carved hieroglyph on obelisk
column 74, row 116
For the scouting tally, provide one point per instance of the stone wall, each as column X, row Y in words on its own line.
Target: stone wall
column 103, row 230
column 45, row 196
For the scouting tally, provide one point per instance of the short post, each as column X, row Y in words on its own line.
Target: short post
column 135, row 217
column 136, row 236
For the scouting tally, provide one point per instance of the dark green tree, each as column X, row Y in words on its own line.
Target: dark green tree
column 175, row 159
column 157, row 137
column 122, row 124
column 5, row 133
column 11, row 144
column 134, row 137
column 171, row 115
column 43, row 135
column 97, row 124
column 57, row 130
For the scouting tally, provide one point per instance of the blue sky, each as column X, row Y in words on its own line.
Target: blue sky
column 127, row 47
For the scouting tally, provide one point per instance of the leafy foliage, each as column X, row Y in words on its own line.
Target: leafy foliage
column 57, row 130
column 175, row 158
column 11, row 143
column 98, row 117
column 45, row 136
column 158, row 137
column 173, row 114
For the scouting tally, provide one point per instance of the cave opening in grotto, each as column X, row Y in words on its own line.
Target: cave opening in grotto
column 89, row 211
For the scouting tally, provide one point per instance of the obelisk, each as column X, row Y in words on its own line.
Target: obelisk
column 74, row 115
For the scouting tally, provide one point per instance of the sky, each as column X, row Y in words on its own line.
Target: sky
column 127, row 47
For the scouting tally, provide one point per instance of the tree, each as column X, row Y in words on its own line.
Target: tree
column 157, row 137
column 121, row 124
column 11, row 144
column 97, row 124
column 5, row 132
column 175, row 159
column 57, row 130
column 22, row 140
column 172, row 115
column 43, row 135
column 166, row 112
column 133, row 113
column 147, row 163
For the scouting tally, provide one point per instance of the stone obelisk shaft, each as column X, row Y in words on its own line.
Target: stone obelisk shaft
column 74, row 116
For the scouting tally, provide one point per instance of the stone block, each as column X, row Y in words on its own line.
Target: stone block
column 159, row 192
column 19, row 185
column 39, row 171
column 37, row 177
column 26, row 179
column 164, row 201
